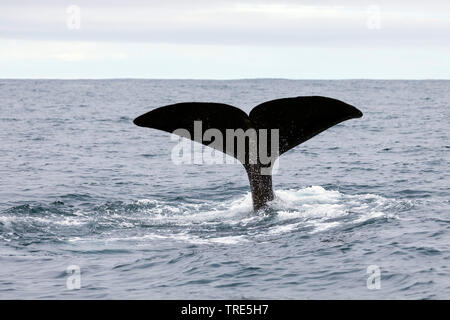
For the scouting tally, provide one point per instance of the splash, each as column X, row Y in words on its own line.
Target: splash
column 309, row 210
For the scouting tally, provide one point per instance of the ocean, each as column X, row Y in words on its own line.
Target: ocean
column 93, row 207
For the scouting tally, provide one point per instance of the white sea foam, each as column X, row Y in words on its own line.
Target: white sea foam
column 313, row 209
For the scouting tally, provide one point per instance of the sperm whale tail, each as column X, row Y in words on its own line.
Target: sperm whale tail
column 294, row 121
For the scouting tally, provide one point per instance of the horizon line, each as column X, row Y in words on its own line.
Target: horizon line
column 236, row 79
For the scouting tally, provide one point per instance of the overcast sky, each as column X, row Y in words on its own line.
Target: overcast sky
column 218, row 39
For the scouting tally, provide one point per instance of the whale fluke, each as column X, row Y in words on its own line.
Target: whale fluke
column 295, row 119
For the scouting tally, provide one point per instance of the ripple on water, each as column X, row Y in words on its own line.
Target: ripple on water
column 312, row 210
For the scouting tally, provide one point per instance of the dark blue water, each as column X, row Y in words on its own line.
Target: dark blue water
column 81, row 185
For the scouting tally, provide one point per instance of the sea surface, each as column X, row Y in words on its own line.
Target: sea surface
column 90, row 201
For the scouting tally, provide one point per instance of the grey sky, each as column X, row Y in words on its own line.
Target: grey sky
column 233, row 38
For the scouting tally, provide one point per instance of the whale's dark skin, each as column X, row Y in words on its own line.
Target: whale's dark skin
column 297, row 119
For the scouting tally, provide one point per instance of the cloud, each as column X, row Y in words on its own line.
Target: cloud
column 225, row 39
column 231, row 22
column 74, row 60
column 58, row 50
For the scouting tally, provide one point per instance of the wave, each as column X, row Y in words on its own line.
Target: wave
column 309, row 210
